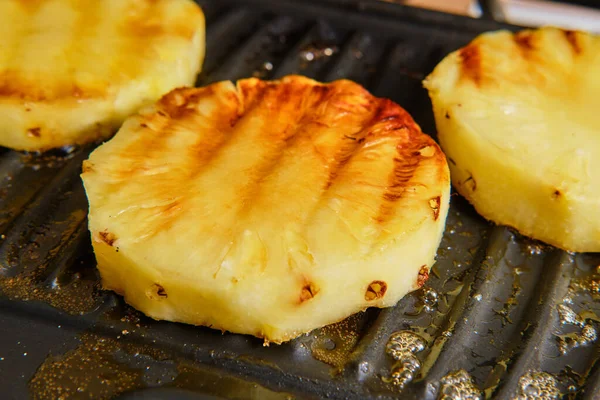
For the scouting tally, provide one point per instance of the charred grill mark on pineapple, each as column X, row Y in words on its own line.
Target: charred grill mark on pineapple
column 340, row 159
column 141, row 157
column 423, row 276
column 524, row 40
column 106, row 237
column 572, row 39
column 13, row 84
column 434, row 204
column 405, row 165
column 156, row 292
column 470, row 57
column 347, row 149
column 281, row 138
column 375, row 290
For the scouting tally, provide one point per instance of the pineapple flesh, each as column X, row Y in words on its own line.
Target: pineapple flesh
column 267, row 208
column 72, row 71
column 518, row 118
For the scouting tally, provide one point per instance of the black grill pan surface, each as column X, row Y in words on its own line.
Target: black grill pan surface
column 500, row 317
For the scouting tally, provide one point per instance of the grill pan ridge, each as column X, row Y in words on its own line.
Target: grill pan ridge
column 501, row 316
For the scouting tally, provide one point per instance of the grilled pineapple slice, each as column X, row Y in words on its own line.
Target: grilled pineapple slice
column 518, row 118
column 266, row 208
column 72, row 71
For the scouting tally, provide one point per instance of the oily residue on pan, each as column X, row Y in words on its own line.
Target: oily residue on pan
column 333, row 344
column 75, row 290
column 77, row 297
column 103, row 368
column 91, row 368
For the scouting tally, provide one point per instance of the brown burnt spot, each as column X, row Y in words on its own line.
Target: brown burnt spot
column 34, row 132
column 284, row 93
column 470, row 181
column 434, row 204
column 423, row 276
column 524, row 40
column 87, row 167
column 447, row 114
column 572, row 39
column 178, row 103
column 321, row 92
column 556, row 194
column 471, row 62
column 107, row 237
column 309, row 290
column 375, row 290
column 156, row 292
column 77, row 92
column 391, row 196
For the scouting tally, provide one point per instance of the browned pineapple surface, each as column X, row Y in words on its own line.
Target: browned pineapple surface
column 517, row 115
column 72, row 71
column 266, row 208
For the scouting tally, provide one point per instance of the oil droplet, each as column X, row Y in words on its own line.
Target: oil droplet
column 316, row 51
column 570, row 341
column 430, row 299
column 538, row 385
column 534, row 249
column 364, row 367
column 459, row 385
column 568, row 316
column 402, row 347
column 427, row 300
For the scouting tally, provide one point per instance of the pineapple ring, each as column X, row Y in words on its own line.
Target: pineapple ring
column 266, row 208
column 517, row 116
column 72, row 71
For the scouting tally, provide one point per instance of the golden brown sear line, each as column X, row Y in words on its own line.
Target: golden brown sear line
column 471, row 63
column 572, row 39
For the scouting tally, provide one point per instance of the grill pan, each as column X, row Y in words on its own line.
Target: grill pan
column 501, row 316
